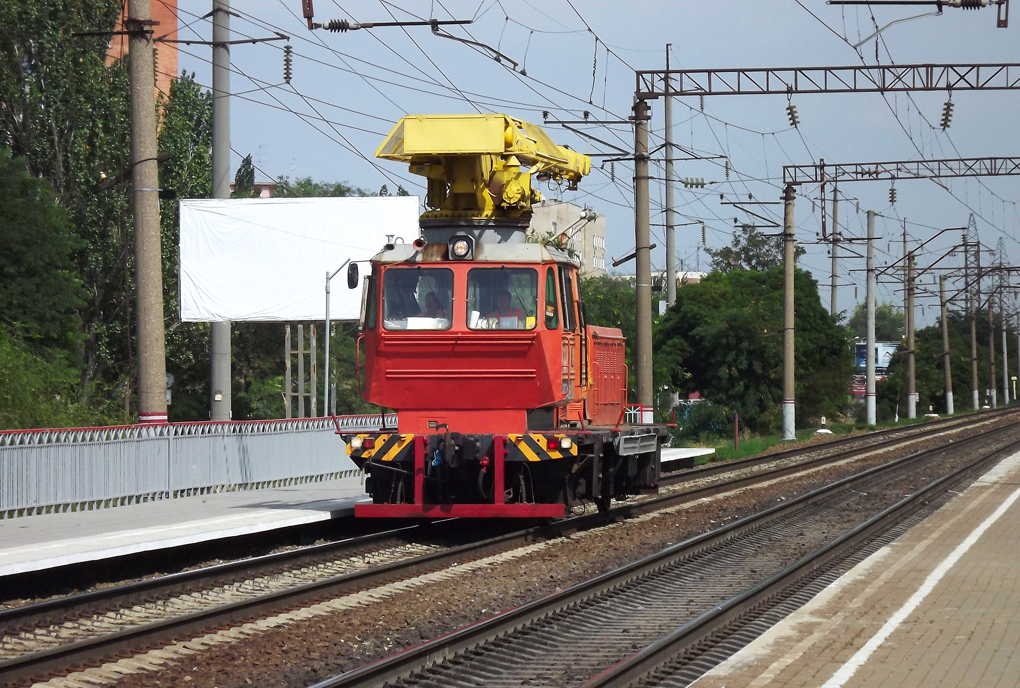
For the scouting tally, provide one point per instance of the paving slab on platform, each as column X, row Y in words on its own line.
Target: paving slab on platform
column 938, row 607
column 35, row 543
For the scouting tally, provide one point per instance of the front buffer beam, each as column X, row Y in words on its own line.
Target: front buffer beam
column 498, row 509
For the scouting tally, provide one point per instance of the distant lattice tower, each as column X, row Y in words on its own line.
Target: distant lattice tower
column 165, row 13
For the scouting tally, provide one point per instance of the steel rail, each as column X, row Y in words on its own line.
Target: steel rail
column 89, row 651
column 707, row 629
column 404, row 664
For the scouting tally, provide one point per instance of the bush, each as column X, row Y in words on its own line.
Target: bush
column 37, row 393
column 702, row 420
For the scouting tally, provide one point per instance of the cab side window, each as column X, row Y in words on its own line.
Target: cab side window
column 552, row 313
column 567, row 294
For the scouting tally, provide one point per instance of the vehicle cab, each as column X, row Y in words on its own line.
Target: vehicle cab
column 478, row 337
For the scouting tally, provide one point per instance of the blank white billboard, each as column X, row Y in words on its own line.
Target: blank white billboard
column 265, row 259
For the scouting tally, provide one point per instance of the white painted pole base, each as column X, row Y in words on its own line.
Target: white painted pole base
column 871, row 410
column 977, row 402
column 789, row 421
column 949, row 403
column 911, row 407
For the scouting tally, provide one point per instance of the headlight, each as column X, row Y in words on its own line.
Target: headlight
column 565, row 443
column 461, row 247
column 355, row 443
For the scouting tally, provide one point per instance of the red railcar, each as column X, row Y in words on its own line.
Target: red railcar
column 508, row 402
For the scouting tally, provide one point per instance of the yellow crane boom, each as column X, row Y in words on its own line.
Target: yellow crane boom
column 474, row 163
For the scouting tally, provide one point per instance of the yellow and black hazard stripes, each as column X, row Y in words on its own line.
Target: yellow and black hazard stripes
column 384, row 447
column 533, row 447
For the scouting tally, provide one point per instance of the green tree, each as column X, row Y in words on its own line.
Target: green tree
column 40, row 392
column 751, row 250
column 609, row 301
column 888, row 322
column 66, row 113
column 723, row 338
column 244, row 180
column 39, row 293
column 305, row 187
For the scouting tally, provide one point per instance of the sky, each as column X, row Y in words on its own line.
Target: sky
column 561, row 58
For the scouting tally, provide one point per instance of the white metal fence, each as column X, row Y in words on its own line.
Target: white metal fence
column 86, row 468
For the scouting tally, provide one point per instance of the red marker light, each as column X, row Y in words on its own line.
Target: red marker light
column 368, row 443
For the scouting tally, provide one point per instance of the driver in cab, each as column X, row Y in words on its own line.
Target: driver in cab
column 504, row 316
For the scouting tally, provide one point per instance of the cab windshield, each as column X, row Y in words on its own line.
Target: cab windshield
column 502, row 298
column 417, row 298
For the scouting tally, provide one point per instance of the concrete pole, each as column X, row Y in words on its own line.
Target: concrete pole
column 947, row 365
column 870, row 369
column 643, row 266
column 670, row 205
column 1005, row 352
column 325, row 358
column 911, row 381
column 991, row 352
column 219, row 335
column 974, row 354
column 833, row 290
column 904, row 273
column 789, row 403
column 145, row 190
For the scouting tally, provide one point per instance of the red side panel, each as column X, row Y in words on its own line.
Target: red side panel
column 607, row 394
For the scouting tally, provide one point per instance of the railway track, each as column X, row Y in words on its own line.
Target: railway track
column 60, row 634
column 878, row 439
column 656, row 620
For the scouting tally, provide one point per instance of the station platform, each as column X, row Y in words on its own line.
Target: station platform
column 940, row 606
column 37, row 543
column 677, row 458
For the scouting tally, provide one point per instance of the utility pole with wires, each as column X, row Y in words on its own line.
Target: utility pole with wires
column 670, row 206
column 834, row 252
column 219, row 333
column 642, row 268
column 911, row 381
column 151, row 342
column 947, row 364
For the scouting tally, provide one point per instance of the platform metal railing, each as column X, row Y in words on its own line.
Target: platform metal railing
column 42, row 471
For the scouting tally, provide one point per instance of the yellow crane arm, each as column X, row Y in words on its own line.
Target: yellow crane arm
column 474, row 163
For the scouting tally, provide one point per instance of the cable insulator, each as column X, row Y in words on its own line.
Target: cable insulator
column 791, row 112
column 703, row 235
column 726, row 166
column 288, row 63
column 338, row 26
column 612, row 171
column 701, row 100
column 155, row 65
column 947, row 114
column 972, row 4
column 892, row 195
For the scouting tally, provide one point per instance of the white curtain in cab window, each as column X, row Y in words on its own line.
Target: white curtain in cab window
column 265, row 259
